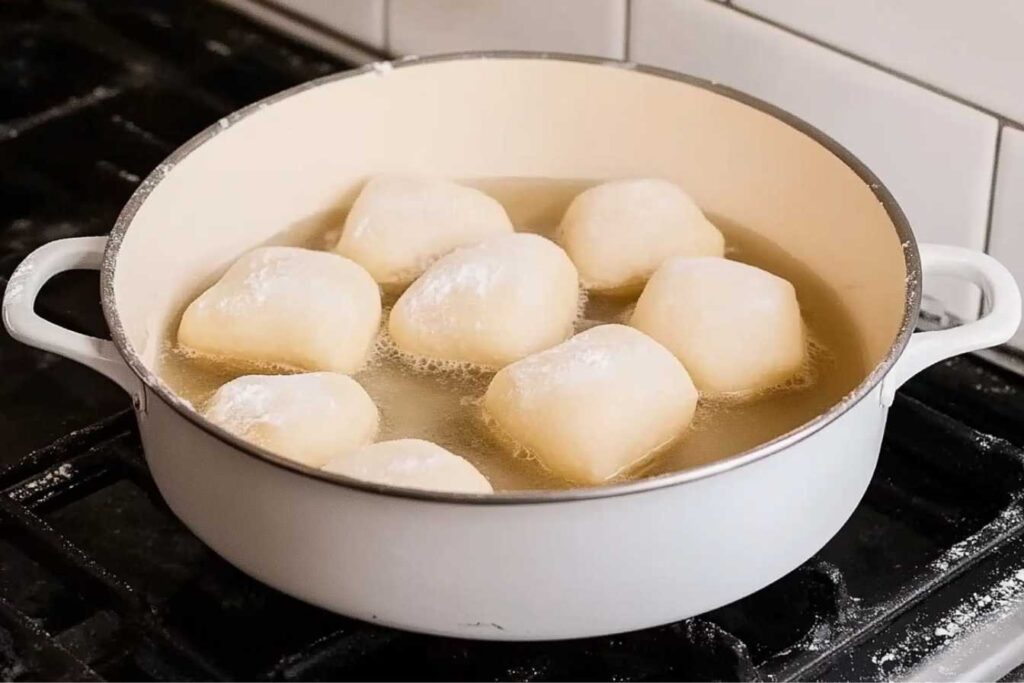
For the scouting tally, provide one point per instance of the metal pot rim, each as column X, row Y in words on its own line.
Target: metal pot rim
column 155, row 385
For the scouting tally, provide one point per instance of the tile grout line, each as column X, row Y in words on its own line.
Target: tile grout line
column 1002, row 118
column 309, row 31
column 315, row 25
column 993, row 181
column 992, row 189
column 628, row 24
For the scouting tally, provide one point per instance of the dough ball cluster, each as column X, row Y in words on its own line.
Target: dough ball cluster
column 285, row 306
column 307, row 418
column 588, row 407
column 489, row 304
column 618, row 233
column 399, row 225
column 595, row 405
column 736, row 328
column 411, row 463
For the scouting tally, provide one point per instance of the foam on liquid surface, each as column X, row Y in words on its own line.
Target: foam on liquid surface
column 439, row 401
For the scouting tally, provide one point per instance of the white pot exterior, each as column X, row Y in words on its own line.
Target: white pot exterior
column 540, row 565
column 517, row 571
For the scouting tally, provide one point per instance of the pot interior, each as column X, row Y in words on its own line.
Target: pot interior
column 287, row 171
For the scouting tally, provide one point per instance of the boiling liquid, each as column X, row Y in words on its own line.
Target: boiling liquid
column 440, row 402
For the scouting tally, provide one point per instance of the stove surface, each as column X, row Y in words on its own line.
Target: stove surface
column 98, row 580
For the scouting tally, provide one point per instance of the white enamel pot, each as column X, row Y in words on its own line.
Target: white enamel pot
column 524, row 565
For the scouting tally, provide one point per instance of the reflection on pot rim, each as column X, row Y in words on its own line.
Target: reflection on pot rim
column 154, row 384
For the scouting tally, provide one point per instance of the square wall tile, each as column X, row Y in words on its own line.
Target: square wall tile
column 1007, row 242
column 972, row 49
column 360, row 19
column 934, row 154
column 593, row 27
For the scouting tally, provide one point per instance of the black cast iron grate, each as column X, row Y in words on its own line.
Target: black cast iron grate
column 98, row 580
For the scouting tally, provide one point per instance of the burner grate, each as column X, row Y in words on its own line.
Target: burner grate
column 98, row 580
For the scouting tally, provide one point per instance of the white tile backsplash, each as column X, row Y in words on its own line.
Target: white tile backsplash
column 360, row 19
column 972, row 49
column 594, row 27
column 934, row 154
column 1007, row 242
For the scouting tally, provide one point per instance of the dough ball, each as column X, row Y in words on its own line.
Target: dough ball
column 619, row 232
column 411, row 463
column 595, row 405
column 287, row 306
column 306, row 418
column 400, row 225
column 489, row 304
column 735, row 327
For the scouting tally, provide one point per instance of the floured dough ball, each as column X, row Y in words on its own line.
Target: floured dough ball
column 735, row 327
column 619, row 232
column 489, row 304
column 411, row 463
column 593, row 406
column 400, row 225
column 307, row 418
column 287, row 306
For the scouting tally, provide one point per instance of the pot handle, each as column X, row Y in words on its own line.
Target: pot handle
column 994, row 327
column 22, row 322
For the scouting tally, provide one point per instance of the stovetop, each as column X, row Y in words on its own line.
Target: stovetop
column 99, row 581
